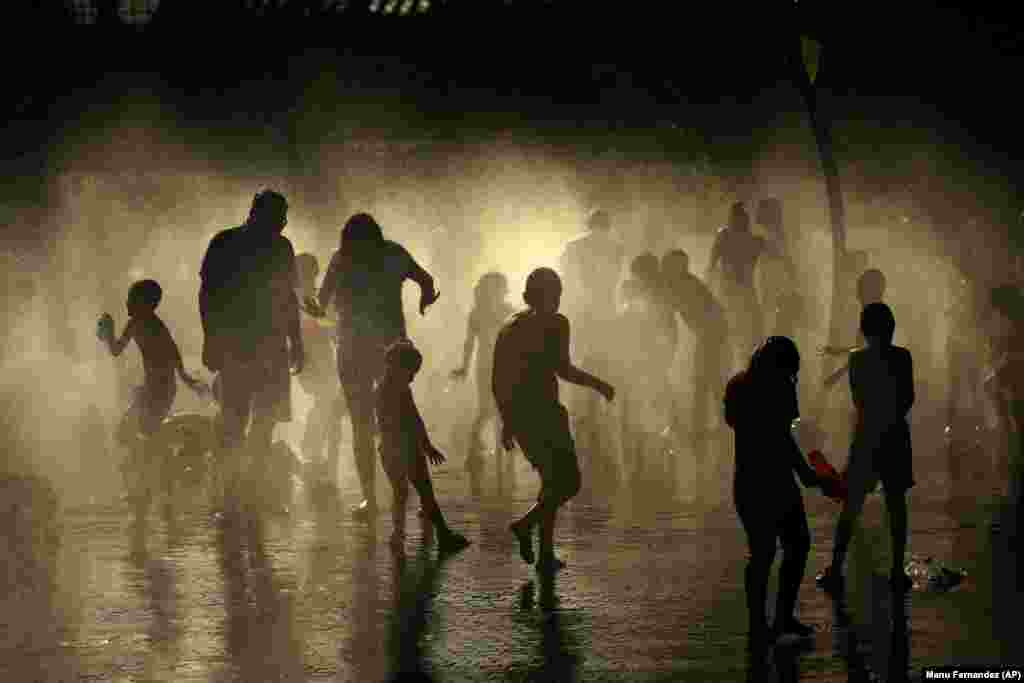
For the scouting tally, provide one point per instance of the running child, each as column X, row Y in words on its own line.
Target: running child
column 882, row 388
column 405, row 446
column 530, row 355
column 161, row 360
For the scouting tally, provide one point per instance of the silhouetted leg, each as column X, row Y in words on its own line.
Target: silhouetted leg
column 398, row 476
column 796, row 544
column 334, row 437
column 761, row 538
column 359, row 395
column 896, row 505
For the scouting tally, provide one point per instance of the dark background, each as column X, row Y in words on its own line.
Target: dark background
column 680, row 81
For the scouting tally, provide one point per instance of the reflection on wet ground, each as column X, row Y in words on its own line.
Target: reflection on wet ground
column 650, row 592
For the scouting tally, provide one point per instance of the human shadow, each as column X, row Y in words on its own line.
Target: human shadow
column 560, row 646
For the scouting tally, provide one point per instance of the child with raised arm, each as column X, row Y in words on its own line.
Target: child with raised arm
column 490, row 310
column 161, row 360
column 882, row 387
column 405, row 445
column 530, row 355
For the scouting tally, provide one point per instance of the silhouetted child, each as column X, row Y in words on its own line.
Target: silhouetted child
column 405, row 446
column 161, row 360
column 490, row 310
column 319, row 380
column 643, row 367
column 530, row 355
column 760, row 406
column 882, row 387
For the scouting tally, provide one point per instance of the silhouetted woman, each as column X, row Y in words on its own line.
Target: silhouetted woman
column 364, row 280
column 760, row 406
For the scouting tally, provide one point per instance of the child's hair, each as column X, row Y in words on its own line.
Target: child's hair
column 739, row 219
column 490, row 286
column 147, row 292
column 775, row 354
column 871, row 285
column 307, row 265
column 403, row 355
column 646, row 268
column 539, row 282
column 876, row 320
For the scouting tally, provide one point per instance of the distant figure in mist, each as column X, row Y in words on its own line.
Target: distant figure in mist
column 364, row 282
column 735, row 252
column 964, row 349
column 152, row 402
column 405, row 446
column 641, row 373
column 252, row 334
column 882, row 387
column 644, row 367
column 760, row 406
column 870, row 290
column 693, row 300
column 490, row 311
column 319, row 380
column 781, row 294
column 592, row 265
column 530, row 355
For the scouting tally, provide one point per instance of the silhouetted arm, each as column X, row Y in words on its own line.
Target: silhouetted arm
column 329, row 285
column 117, row 346
column 716, row 256
column 906, row 390
column 417, row 274
column 467, row 347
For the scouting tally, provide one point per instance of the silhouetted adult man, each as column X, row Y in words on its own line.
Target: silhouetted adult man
column 364, row 280
column 591, row 266
column 250, row 318
column 705, row 317
column 736, row 251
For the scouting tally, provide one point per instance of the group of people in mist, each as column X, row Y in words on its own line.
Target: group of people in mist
column 264, row 321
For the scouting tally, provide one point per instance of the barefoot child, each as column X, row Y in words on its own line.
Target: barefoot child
column 882, row 387
column 405, row 445
column 161, row 359
column 530, row 355
column 490, row 310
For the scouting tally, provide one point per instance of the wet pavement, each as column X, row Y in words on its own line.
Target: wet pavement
column 650, row 592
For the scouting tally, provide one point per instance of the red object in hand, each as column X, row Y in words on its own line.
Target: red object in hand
column 834, row 483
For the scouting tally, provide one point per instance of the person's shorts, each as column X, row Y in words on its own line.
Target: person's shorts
column 886, row 458
column 149, row 407
column 258, row 387
column 542, row 432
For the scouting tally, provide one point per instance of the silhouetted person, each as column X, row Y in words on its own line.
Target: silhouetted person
column 250, row 317
column 592, row 265
column 530, row 355
column 736, row 251
column 319, row 380
column 364, row 281
column 706, row 319
column 760, row 406
column 490, row 311
column 641, row 374
column 781, row 292
column 882, row 388
column 161, row 361
column 405, row 446
column 870, row 290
